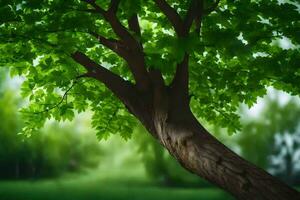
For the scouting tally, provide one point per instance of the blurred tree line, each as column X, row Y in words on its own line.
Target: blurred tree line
column 271, row 140
column 50, row 152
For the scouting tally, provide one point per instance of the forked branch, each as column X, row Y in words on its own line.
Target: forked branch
column 111, row 17
column 127, row 47
column 172, row 16
column 194, row 14
column 182, row 26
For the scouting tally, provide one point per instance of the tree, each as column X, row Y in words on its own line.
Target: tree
column 165, row 61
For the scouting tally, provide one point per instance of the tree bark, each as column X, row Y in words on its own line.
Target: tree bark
column 204, row 155
column 198, row 151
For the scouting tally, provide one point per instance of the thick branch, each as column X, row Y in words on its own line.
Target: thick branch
column 180, row 81
column 134, row 58
column 125, row 91
column 113, row 7
column 134, row 25
column 195, row 13
column 115, row 83
column 119, row 29
column 111, row 18
column 128, row 48
column 173, row 16
column 182, row 27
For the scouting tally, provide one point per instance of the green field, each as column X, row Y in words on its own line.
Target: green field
column 93, row 187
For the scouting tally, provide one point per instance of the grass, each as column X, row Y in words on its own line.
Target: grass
column 91, row 187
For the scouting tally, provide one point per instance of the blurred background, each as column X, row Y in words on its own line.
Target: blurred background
column 66, row 161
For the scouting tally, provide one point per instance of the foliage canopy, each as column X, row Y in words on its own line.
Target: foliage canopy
column 233, row 59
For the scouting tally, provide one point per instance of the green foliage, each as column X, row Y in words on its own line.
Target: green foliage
column 232, row 61
column 110, row 117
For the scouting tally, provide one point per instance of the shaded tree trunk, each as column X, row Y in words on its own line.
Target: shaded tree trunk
column 204, row 155
column 172, row 123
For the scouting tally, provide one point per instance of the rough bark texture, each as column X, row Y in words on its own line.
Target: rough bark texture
column 202, row 154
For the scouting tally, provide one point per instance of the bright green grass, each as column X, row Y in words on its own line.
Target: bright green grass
column 100, row 188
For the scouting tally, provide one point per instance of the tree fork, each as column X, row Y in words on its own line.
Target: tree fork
column 128, row 47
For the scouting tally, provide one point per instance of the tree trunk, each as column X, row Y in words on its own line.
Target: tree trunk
column 204, row 155
column 175, row 127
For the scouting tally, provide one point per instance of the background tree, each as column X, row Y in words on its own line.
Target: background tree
column 286, row 120
column 161, row 60
column 283, row 137
column 53, row 151
column 274, row 132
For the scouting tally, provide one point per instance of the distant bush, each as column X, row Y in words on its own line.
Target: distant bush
column 50, row 152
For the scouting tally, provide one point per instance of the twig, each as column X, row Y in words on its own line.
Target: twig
column 63, row 97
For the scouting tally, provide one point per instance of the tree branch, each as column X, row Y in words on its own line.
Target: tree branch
column 53, row 106
column 111, row 18
column 113, row 7
column 128, row 48
column 180, row 82
column 182, row 27
column 195, row 13
column 124, row 90
column 134, row 58
column 173, row 16
column 112, row 44
column 112, row 81
column 134, row 25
